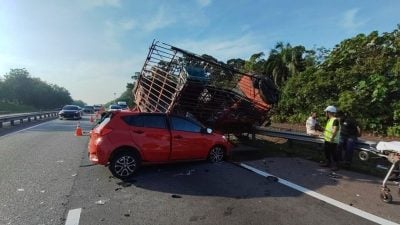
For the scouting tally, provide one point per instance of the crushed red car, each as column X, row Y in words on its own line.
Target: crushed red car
column 125, row 140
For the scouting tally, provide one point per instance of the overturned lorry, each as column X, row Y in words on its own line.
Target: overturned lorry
column 174, row 80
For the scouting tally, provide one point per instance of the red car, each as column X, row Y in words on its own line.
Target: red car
column 124, row 140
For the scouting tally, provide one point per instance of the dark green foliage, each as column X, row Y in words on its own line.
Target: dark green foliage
column 361, row 75
column 18, row 87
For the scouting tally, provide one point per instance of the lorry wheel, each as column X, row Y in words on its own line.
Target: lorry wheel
column 216, row 154
column 124, row 164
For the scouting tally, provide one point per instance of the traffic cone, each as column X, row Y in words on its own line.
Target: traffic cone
column 91, row 119
column 78, row 130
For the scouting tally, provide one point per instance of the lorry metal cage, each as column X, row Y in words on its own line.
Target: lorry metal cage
column 174, row 80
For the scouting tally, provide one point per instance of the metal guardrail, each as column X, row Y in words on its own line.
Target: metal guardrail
column 26, row 117
column 302, row 137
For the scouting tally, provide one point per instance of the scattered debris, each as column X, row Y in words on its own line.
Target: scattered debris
column 20, row 189
column 101, row 202
column 42, row 191
column 272, row 178
column 228, row 211
column 117, row 189
column 187, row 173
column 60, row 161
column 334, row 175
column 127, row 215
column 357, row 195
column 124, row 184
column 176, row 196
column 74, row 175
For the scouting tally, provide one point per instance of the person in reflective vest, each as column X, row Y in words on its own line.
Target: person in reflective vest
column 331, row 138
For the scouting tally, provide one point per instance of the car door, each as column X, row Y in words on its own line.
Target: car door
column 150, row 133
column 188, row 141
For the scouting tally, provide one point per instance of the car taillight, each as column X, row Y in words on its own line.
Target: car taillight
column 105, row 131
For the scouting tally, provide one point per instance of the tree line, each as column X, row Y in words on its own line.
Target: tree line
column 360, row 75
column 19, row 87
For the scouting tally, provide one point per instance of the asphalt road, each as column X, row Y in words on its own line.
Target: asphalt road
column 45, row 174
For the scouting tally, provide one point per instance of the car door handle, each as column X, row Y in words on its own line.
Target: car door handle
column 138, row 131
column 178, row 137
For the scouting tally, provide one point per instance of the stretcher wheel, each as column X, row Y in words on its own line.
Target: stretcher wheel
column 386, row 197
column 363, row 155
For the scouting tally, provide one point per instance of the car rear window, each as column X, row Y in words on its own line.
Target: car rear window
column 115, row 107
column 150, row 121
column 69, row 107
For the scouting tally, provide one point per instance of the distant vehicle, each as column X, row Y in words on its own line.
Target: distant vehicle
column 114, row 108
column 97, row 107
column 70, row 112
column 123, row 105
column 88, row 109
column 125, row 140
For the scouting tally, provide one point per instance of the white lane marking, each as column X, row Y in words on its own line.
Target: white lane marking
column 324, row 198
column 18, row 131
column 73, row 217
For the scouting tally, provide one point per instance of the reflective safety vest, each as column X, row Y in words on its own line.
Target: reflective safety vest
column 329, row 130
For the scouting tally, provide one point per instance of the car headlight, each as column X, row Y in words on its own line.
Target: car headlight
column 224, row 137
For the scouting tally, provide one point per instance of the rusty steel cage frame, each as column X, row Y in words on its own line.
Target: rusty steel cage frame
column 166, row 84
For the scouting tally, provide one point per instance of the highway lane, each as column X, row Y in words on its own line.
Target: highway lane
column 45, row 173
column 37, row 172
column 196, row 193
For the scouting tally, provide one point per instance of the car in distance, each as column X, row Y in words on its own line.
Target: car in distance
column 70, row 112
column 114, row 107
column 88, row 109
column 97, row 107
column 125, row 140
column 123, row 105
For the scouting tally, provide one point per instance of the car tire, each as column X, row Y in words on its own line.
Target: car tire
column 124, row 164
column 216, row 154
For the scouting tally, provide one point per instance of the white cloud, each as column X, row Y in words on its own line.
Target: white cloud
column 128, row 24
column 159, row 20
column 224, row 49
column 88, row 4
column 204, row 3
column 349, row 20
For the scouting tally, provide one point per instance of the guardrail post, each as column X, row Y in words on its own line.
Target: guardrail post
column 40, row 116
column 21, row 121
column 1, row 124
column 12, row 122
column 34, row 118
column 29, row 119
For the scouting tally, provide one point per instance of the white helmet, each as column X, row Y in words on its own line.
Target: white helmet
column 331, row 109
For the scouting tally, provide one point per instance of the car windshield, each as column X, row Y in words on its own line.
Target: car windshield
column 88, row 107
column 70, row 107
column 115, row 107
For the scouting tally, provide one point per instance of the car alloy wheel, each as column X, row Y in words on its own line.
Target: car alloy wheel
column 216, row 154
column 124, row 165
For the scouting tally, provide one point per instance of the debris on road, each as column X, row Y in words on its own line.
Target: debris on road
column 20, row 189
column 101, row 202
column 60, row 161
column 176, row 196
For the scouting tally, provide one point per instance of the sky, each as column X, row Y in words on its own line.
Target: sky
column 93, row 47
